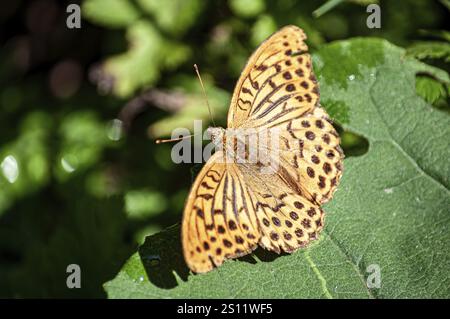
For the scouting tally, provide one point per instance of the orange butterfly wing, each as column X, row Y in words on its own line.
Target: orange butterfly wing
column 219, row 220
column 277, row 83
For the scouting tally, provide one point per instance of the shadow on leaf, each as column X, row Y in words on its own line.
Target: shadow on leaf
column 260, row 254
column 162, row 257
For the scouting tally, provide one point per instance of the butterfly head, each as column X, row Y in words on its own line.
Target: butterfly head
column 216, row 134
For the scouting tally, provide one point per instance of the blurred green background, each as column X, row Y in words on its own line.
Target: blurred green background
column 81, row 180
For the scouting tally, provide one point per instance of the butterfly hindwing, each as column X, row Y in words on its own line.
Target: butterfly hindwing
column 287, row 219
column 309, row 149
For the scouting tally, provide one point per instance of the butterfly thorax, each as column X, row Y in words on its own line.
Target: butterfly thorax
column 241, row 145
column 225, row 140
column 217, row 135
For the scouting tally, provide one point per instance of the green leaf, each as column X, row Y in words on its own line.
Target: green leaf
column 144, row 203
column 262, row 29
column 446, row 3
column 327, row 6
column 192, row 105
column 25, row 161
column 442, row 35
column 391, row 209
column 140, row 67
column 247, row 8
column 430, row 89
column 175, row 16
column 110, row 13
column 83, row 137
column 430, row 50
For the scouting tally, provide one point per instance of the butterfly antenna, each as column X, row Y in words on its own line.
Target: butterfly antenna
column 204, row 93
column 159, row 141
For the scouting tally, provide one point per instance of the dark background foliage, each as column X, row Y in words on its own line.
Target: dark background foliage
column 82, row 180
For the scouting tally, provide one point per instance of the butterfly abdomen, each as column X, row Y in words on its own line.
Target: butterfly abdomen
column 249, row 146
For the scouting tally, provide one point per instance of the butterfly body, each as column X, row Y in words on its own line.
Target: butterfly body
column 217, row 135
column 275, row 164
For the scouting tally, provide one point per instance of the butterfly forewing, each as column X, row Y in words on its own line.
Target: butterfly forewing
column 277, row 83
column 219, row 219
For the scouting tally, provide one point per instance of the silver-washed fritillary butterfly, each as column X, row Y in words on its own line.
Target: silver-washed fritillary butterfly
column 232, row 208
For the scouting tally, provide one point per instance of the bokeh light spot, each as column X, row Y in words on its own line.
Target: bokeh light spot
column 10, row 168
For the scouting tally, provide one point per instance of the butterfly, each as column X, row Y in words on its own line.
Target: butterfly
column 233, row 207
